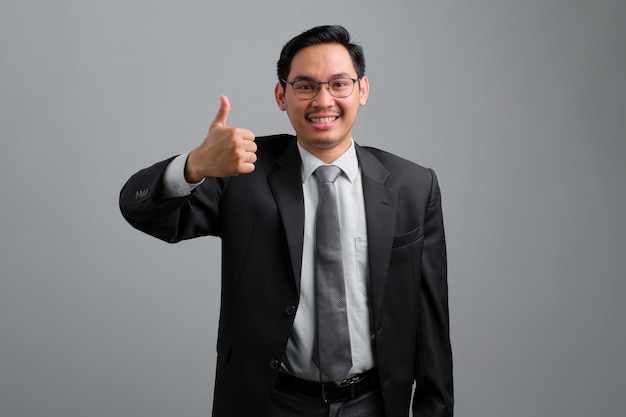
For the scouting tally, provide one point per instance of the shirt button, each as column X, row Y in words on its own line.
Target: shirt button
column 274, row 364
column 291, row 310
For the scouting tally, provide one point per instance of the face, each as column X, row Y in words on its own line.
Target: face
column 323, row 124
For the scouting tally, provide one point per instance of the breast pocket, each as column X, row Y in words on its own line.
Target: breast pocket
column 408, row 238
column 406, row 261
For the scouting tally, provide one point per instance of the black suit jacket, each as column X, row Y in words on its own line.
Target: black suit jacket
column 260, row 219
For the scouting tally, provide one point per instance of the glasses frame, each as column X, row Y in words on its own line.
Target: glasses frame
column 319, row 86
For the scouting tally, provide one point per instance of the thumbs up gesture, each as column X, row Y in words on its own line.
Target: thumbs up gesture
column 225, row 152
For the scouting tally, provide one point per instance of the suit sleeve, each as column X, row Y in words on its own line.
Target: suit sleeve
column 173, row 219
column 434, row 385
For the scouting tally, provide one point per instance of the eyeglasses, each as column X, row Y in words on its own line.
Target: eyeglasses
column 309, row 89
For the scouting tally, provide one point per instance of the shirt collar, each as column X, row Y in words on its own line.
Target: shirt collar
column 347, row 162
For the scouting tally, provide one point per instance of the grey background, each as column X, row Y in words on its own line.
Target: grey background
column 518, row 106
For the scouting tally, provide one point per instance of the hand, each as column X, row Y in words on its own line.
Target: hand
column 225, row 152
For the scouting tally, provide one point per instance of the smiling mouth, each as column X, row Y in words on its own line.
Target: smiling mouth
column 322, row 120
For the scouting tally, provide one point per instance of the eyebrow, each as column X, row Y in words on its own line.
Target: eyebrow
column 334, row 76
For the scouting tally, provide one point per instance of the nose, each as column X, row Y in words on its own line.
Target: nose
column 324, row 98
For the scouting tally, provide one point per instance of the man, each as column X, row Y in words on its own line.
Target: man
column 386, row 261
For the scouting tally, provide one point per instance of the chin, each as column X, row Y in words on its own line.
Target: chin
column 326, row 143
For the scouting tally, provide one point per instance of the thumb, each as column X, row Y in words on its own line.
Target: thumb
column 222, row 113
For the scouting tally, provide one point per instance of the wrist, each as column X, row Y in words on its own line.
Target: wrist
column 192, row 174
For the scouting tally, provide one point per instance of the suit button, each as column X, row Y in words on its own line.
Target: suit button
column 274, row 364
column 291, row 310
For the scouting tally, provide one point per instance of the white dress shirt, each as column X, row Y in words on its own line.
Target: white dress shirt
column 299, row 355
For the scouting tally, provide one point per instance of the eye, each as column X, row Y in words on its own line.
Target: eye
column 304, row 85
column 341, row 84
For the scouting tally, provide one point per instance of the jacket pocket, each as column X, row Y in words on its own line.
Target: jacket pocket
column 408, row 238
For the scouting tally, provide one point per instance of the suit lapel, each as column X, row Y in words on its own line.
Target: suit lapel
column 286, row 186
column 380, row 208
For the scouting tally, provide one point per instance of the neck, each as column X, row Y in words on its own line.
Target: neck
column 325, row 152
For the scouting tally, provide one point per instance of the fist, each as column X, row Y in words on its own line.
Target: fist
column 225, row 152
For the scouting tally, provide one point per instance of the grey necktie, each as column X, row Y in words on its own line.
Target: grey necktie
column 333, row 354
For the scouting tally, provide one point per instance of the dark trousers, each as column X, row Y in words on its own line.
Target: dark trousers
column 284, row 404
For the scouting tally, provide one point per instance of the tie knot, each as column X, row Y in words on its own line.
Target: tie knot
column 327, row 173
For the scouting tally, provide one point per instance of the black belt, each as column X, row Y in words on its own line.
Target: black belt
column 329, row 392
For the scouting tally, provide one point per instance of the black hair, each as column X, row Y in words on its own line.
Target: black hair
column 316, row 36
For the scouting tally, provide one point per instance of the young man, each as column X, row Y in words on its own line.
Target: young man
column 386, row 342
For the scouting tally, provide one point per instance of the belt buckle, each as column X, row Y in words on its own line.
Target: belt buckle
column 348, row 382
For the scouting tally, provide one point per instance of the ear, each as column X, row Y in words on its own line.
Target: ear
column 279, row 94
column 364, row 90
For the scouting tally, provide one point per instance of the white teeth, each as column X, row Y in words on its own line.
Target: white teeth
column 322, row 120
